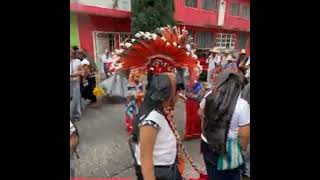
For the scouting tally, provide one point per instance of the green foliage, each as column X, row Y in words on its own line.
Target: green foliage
column 147, row 15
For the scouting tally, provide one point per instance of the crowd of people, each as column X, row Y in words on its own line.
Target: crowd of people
column 82, row 82
column 157, row 151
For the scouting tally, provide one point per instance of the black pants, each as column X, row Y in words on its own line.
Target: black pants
column 162, row 172
column 210, row 159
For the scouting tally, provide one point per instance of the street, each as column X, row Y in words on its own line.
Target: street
column 103, row 147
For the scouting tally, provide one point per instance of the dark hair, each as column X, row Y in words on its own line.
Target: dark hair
column 75, row 48
column 219, row 109
column 158, row 91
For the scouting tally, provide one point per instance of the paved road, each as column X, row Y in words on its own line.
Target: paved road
column 103, row 147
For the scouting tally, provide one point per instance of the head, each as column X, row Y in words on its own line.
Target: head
column 80, row 54
column 73, row 54
column 163, row 90
column 106, row 51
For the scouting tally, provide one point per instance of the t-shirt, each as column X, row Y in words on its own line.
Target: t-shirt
column 74, row 65
column 240, row 117
column 165, row 148
column 213, row 61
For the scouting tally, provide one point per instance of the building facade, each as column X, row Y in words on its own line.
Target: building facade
column 99, row 24
column 221, row 23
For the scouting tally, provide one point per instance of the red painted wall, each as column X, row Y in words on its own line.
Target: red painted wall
column 194, row 16
column 199, row 17
column 89, row 23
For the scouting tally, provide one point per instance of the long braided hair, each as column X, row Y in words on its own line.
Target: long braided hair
column 219, row 109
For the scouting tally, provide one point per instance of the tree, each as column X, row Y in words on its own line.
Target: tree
column 147, row 15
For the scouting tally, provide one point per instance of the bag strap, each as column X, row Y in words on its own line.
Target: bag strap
column 172, row 125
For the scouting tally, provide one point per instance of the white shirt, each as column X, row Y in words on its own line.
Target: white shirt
column 165, row 147
column 105, row 58
column 74, row 65
column 212, row 61
column 240, row 117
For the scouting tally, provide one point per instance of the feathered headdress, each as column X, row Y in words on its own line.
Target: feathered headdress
column 163, row 51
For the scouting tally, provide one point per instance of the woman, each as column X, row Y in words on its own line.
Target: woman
column 155, row 143
column 87, row 83
column 226, row 124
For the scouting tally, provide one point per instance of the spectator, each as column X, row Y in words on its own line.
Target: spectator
column 75, row 95
column 213, row 60
column 82, row 55
column 87, row 85
column 104, row 61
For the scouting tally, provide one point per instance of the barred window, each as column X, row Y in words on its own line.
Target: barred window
column 204, row 40
column 225, row 40
column 210, row 5
column 191, row 3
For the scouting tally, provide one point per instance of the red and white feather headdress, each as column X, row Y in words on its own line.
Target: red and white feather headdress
column 158, row 52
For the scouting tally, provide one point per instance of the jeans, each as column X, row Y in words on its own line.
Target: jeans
column 210, row 159
column 75, row 103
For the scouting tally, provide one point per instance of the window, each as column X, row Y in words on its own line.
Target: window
column 245, row 11
column 102, row 41
column 225, row 40
column 243, row 40
column 191, row 3
column 238, row 9
column 204, row 40
column 210, row 5
column 124, row 36
column 235, row 8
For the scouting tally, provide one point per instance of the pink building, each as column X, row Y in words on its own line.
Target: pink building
column 99, row 24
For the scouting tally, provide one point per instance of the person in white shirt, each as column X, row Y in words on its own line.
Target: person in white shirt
column 75, row 95
column 213, row 60
column 104, row 60
column 216, row 111
column 156, row 147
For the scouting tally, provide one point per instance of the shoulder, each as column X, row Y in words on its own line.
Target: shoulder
column 77, row 61
column 155, row 116
column 154, row 119
column 243, row 106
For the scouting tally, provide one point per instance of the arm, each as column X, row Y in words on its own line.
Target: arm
column 148, row 136
column 244, row 125
column 244, row 134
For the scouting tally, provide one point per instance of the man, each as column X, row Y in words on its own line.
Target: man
column 231, row 63
column 213, row 60
column 82, row 55
column 242, row 60
column 75, row 95
column 104, row 60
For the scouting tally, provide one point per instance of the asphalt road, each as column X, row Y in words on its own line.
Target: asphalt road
column 103, row 148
